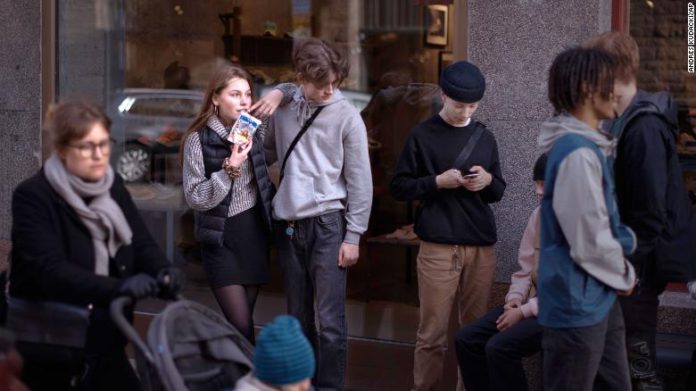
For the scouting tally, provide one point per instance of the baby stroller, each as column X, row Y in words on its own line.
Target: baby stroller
column 189, row 347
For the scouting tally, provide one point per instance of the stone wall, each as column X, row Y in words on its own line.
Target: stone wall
column 20, row 99
column 514, row 44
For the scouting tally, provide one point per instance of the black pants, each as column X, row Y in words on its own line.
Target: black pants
column 316, row 290
column 640, row 318
column 51, row 367
column 492, row 360
column 58, row 369
column 587, row 358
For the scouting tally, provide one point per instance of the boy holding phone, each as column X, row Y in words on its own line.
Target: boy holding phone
column 450, row 163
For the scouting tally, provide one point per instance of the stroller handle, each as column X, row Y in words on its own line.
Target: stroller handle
column 119, row 318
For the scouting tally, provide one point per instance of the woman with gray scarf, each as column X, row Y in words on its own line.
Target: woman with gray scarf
column 78, row 240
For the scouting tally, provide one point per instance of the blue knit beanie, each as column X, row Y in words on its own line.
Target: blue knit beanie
column 463, row 82
column 283, row 355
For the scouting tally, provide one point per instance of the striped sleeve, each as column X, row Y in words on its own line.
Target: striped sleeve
column 200, row 192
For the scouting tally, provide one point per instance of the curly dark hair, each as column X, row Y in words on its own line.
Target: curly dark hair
column 577, row 73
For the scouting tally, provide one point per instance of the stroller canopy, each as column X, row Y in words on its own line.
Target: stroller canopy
column 195, row 349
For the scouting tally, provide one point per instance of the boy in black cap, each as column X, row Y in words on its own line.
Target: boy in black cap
column 450, row 163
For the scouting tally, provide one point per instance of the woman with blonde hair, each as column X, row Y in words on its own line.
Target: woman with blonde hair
column 228, row 187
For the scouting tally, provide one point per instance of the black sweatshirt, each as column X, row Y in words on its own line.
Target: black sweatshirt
column 650, row 191
column 449, row 216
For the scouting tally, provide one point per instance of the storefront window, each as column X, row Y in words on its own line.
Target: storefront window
column 149, row 62
column 661, row 30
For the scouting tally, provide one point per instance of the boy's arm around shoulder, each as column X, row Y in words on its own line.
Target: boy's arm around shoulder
column 582, row 214
column 288, row 90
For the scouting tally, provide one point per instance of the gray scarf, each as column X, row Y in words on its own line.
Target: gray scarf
column 302, row 106
column 103, row 217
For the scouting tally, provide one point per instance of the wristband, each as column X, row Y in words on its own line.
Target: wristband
column 232, row 171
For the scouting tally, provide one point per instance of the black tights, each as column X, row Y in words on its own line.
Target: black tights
column 237, row 303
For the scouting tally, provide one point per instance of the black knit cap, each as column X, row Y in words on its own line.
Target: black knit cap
column 463, row 82
column 540, row 168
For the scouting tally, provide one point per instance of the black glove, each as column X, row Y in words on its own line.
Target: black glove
column 138, row 286
column 170, row 281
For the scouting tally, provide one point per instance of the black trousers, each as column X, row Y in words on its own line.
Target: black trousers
column 640, row 319
column 316, row 291
column 57, row 369
column 492, row 360
column 51, row 367
column 587, row 358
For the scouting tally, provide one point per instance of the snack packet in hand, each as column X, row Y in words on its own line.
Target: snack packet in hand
column 243, row 130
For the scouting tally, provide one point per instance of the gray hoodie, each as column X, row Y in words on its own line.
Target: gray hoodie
column 329, row 169
column 579, row 205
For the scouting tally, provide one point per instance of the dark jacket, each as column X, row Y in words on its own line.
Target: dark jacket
column 449, row 216
column 53, row 254
column 210, row 224
column 650, row 189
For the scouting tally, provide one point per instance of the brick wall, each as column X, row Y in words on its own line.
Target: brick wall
column 660, row 31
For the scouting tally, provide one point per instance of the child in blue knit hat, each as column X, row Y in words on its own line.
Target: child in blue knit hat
column 284, row 359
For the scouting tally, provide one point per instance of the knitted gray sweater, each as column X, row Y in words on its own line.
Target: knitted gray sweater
column 203, row 193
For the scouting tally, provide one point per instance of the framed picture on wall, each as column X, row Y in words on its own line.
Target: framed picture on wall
column 435, row 19
column 444, row 58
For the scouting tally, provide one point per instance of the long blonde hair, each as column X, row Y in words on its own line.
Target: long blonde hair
column 220, row 80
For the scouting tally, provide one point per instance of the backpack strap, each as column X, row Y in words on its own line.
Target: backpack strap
column 469, row 147
column 297, row 139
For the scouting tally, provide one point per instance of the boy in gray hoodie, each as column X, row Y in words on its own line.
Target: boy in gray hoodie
column 582, row 264
column 323, row 201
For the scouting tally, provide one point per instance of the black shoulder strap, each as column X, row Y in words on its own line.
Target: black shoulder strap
column 297, row 139
column 469, row 147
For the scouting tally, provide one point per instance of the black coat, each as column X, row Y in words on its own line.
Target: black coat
column 650, row 190
column 53, row 254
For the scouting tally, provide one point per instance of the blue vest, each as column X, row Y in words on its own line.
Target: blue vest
column 568, row 296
